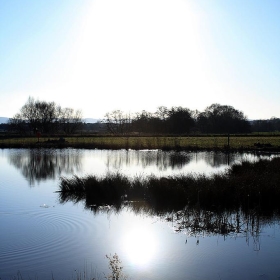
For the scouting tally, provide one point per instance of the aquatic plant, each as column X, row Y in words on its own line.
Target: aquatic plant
column 246, row 186
column 106, row 190
column 115, row 267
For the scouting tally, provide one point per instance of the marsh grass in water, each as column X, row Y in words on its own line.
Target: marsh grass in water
column 116, row 268
column 246, row 185
column 238, row 202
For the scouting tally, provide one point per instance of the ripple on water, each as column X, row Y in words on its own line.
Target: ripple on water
column 44, row 236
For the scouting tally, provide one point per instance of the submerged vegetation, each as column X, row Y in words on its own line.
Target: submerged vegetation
column 244, row 186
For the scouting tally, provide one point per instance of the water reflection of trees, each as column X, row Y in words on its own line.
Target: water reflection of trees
column 41, row 164
column 200, row 223
column 217, row 158
column 164, row 160
column 192, row 221
column 147, row 158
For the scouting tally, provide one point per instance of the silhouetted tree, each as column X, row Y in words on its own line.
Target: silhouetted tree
column 270, row 125
column 145, row 122
column 117, row 122
column 222, row 119
column 70, row 121
column 45, row 117
column 275, row 124
column 180, row 120
column 17, row 124
column 37, row 114
column 161, row 115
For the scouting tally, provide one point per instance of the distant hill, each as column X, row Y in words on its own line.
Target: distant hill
column 4, row 120
column 86, row 120
column 91, row 120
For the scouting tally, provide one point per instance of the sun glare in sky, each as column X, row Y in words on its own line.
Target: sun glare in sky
column 134, row 55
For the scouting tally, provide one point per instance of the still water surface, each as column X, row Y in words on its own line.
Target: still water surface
column 42, row 238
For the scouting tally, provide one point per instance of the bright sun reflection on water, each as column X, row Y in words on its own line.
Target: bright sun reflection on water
column 140, row 245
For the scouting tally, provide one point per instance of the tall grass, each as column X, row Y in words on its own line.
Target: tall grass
column 246, row 186
column 208, row 142
column 238, row 201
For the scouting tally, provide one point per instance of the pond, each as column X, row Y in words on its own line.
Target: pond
column 42, row 238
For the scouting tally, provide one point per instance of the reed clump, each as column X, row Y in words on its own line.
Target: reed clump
column 105, row 190
column 246, row 185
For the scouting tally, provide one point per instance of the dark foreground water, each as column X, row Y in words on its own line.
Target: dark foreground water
column 43, row 239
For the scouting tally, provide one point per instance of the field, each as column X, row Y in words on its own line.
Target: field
column 205, row 142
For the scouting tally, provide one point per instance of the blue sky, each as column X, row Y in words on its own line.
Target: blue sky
column 133, row 55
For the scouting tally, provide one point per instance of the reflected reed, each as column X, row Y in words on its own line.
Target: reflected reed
column 237, row 202
column 244, row 186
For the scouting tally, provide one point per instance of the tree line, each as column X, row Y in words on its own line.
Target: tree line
column 178, row 120
column 45, row 117
column 270, row 125
column 49, row 117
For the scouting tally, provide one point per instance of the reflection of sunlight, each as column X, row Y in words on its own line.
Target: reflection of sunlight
column 140, row 245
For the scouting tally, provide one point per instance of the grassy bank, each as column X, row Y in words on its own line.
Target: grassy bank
column 213, row 142
column 244, row 186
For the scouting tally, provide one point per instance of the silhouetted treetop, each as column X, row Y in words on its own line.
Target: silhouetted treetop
column 45, row 117
column 179, row 120
column 222, row 119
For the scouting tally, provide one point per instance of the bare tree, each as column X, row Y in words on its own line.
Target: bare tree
column 39, row 115
column 70, row 120
column 117, row 122
column 162, row 113
column 144, row 122
column 45, row 116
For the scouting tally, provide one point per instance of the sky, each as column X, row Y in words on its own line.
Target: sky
column 132, row 55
